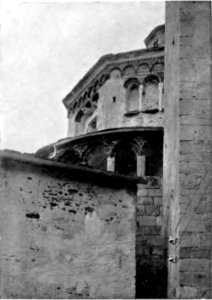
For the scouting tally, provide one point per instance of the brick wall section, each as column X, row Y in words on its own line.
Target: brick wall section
column 190, row 48
column 151, row 268
column 64, row 237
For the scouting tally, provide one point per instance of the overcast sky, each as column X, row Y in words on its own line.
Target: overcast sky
column 47, row 48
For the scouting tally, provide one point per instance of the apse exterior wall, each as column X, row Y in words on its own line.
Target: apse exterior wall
column 63, row 236
column 112, row 114
column 111, row 109
column 188, row 153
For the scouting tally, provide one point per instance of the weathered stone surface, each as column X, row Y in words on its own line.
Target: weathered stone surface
column 188, row 145
column 194, row 265
column 64, row 238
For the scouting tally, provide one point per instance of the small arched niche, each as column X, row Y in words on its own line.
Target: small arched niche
column 150, row 93
column 115, row 74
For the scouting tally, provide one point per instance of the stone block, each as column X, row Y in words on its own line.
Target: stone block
column 202, row 279
column 141, row 240
column 187, row 133
column 194, row 120
column 158, row 200
column 145, row 200
column 154, row 182
column 192, row 90
column 141, row 210
column 186, row 107
column 194, row 265
column 149, row 230
column 190, row 181
column 141, row 186
column 186, row 292
column 194, row 253
column 198, row 133
column 186, row 278
column 152, row 210
column 146, row 220
column 155, row 240
column 185, row 155
column 203, row 293
column 201, row 205
column 157, row 251
column 142, row 192
column 195, row 223
column 194, row 168
column 154, row 192
column 159, row 221
column 193, row 239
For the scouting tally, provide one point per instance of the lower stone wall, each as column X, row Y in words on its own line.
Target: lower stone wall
column 64, row 237
column 151, row 273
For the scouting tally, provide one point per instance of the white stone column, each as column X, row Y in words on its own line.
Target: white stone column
column 111, row 164
column 141, row 160
column 160, row 98
column 141, row 87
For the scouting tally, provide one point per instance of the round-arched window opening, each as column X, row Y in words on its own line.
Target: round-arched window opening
column 150, row 93
column 132, row 97
column 126, row 162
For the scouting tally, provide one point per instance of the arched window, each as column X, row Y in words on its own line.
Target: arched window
column 132, row 95
column 150, row 93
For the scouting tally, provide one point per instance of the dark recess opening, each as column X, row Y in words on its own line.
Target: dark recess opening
column 125, row 162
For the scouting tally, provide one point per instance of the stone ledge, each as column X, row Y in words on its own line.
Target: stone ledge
column 8, row 158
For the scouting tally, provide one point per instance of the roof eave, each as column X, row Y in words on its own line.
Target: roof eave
column 103, row 59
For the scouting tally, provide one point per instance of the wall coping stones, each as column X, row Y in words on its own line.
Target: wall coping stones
column 8, row 157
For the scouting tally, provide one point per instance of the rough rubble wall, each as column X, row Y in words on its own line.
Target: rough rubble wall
column 62, row 238
column 151, row 273
column 188, row 55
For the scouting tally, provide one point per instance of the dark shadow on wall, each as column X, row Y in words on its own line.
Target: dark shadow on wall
column 151, row 279
column 151, row 258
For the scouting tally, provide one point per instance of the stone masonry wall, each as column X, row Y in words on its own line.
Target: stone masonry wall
column 64, row 237
column 188, row 61
column 151, row 277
